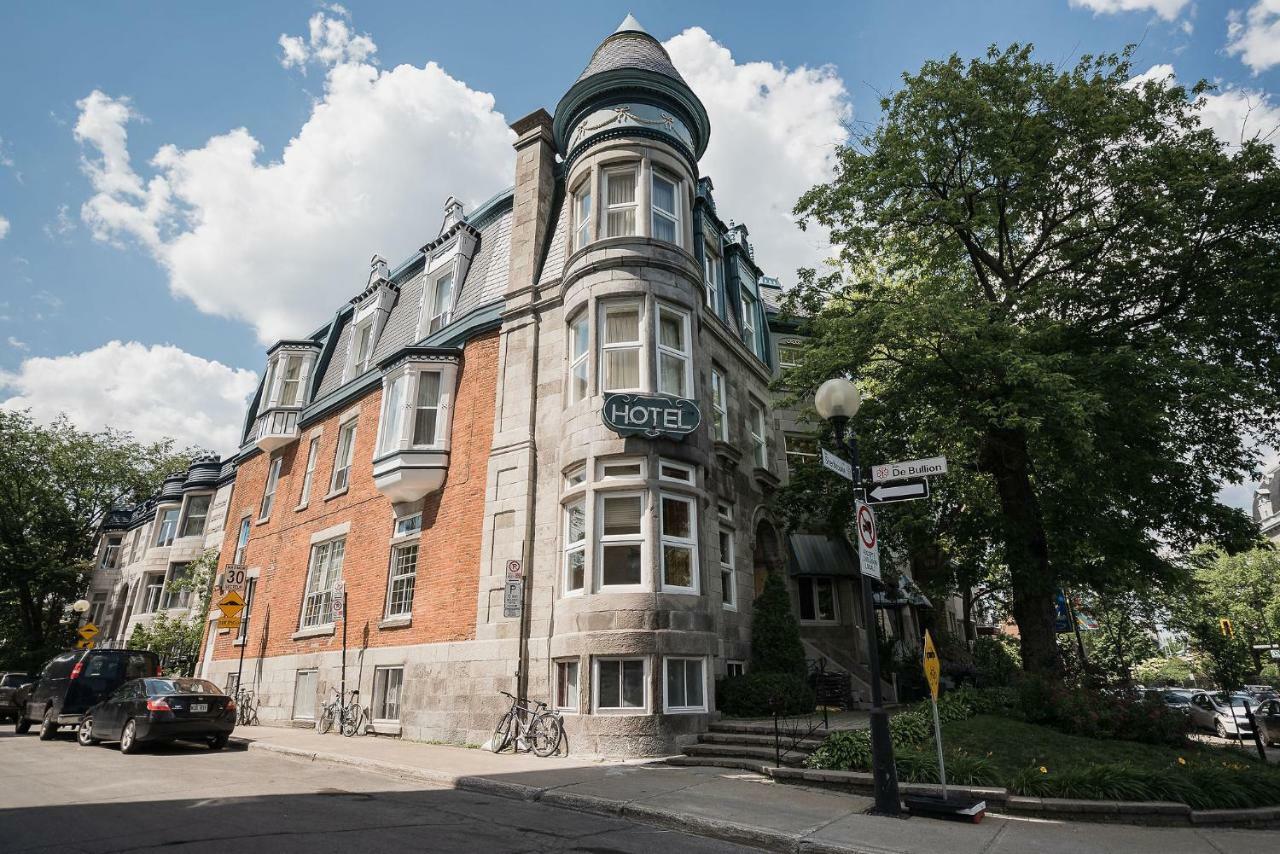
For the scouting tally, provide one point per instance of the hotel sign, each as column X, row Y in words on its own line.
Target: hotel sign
column 650, row 415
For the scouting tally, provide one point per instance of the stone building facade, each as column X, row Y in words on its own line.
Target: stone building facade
column 429, row 503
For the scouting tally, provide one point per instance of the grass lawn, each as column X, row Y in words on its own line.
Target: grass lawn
column 1016, row 745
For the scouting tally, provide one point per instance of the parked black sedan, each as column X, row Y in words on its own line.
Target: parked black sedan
column 160, row 709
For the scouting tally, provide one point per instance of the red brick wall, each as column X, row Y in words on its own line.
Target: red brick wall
column 448, row 550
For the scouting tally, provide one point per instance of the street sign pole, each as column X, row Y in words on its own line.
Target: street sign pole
column 932, row 672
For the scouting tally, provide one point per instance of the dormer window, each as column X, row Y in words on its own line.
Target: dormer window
column 364, row 347
column 441, row 303
column 289, row 367
column 291, row 381
column 620, row 196
column 666, row 209
column 412, row 453
column 714, row 273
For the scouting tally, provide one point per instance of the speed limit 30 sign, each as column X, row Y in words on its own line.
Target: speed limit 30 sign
column 868, row 540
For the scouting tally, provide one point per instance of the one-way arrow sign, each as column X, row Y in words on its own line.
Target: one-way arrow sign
column 901, row 490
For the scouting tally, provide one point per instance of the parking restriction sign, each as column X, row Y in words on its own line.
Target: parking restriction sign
column 868, row 540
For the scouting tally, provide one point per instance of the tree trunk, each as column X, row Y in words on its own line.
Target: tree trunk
column 1004, row 456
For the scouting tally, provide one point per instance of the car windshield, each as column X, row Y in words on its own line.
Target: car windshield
column 15, row 680
column 1236, row 700
column 180, row 686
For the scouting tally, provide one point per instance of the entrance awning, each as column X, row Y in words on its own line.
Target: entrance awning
column 818, row 554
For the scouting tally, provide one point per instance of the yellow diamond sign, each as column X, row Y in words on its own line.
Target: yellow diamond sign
column 88, row 631
column 231, row 605
column 932, row 667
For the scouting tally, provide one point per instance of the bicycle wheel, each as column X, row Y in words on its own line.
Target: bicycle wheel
column 325, row 722
column 353, row 723
column 501, row 733
column 545, row 734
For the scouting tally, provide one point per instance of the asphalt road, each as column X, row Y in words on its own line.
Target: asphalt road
column 58, row 796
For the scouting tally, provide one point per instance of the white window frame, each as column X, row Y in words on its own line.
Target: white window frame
column 435, row 312
column 728, row 569
column 270, row 488
column 581, row 218
column 313, row 452
column 757, row 428
column 408, row 526
column 311, row 590
column 575, row 476
column 813, row 590
column 162, row 522
column 575, row 548
column 719, row 405
column 784, row 346
column 187, row 515
column 394, row 407
column 604, row 464
column 685, row 357
column 175, row 598
column 596, row 661
column 314, row 678
column 689, row 475
column 632, row 169
column 579, row 324
column 673, row 216
column 667, row 706
column 381, row 675
column 566, row 705
column 290, row 361
column 735, row 667
column 749, row 336
column 690, row 543
column 639, row 538
column 713, row 272
column 347, row 435
column 415, row 407
column 637, row 344
column 397, row 574
column 362, row 347
column 152, row 592
column 242, row 541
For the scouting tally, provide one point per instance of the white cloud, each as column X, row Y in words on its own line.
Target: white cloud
column 1233, row 114
column 774, row 135
column 62, row 224
column 281, row 243
column 329, row 42
column 4, row 227
column 1167, row 9
column 1255, row 35
column 153, row 392
column 18, row 345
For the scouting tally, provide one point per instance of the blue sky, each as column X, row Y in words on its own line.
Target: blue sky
column 183, row 75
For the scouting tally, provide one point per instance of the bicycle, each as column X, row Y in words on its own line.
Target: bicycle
column 538, row 728
column 350, row 716
column 355, row 719
column 246, row 708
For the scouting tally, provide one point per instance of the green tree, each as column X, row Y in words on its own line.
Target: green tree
column 775, row 634
column 56, row 484
column 1126, row 634
column 177, row 639
column 1065, row 283
column 1244, row 588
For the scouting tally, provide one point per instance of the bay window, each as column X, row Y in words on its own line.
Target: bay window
column 620, row 201
column 197, row 513
column 579, row 336
column 323, row 572
column 291, row 382
column 673, row 352
column 685, row 685
column 620, row 683
column 665, row 202
column 342, row 457
column 719, row 406
column 582, row 216
column 621, row 555
column 679, row 543
column 620, row 348
column 168, row 527
column 426, row 409
column 392, row 422
column 575, row 546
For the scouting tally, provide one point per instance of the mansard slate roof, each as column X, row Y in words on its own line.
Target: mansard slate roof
column 206, row 472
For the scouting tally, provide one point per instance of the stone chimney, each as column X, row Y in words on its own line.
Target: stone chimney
column 534, row 187
column 452, row 214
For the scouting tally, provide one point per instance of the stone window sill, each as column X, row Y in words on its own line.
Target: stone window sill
column 396, row 623
column 337, row 493
column 313, row 632
column 300, row 507
column 386, row 728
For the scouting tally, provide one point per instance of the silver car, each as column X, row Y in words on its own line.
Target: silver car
column 1211, row 712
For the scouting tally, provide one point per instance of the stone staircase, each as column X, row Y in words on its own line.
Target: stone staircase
column 750, row 744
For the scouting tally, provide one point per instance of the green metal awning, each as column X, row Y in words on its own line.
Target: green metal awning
column 819, row 554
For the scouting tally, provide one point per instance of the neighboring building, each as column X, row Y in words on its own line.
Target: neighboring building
column 443, row 433
column 141, row 548
column 1266, row 504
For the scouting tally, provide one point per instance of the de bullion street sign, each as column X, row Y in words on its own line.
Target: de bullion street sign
column 837, row 465
column 868, row 540
column 902, row 490
column 650, row 415
column 910, row 469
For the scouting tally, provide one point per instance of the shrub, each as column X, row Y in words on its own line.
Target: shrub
column 916, row 766
column 966, row 770
column 995, row 660
column 775, row 634
column 845, row 750
column 756, row 694
column 912, row 727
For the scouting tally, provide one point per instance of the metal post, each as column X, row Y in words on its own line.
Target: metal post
column 937, row 733
column 243, row 644
column 884, row 774
column 1075, row 624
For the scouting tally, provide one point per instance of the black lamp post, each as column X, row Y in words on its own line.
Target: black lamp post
column 837, row 401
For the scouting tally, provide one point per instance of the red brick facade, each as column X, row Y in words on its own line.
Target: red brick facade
column 449, row 546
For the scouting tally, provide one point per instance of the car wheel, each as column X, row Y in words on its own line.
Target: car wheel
column 1220, row 729
column 129, row 738
column 21, row 725
column 217, row 742
column 84, row 734
column 48, row 726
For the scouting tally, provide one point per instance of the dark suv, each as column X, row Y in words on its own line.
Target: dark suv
column 73, row 681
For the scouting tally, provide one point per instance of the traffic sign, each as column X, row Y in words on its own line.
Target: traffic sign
column 932, row 666
column 338, row 602
column 233, row 578
column 231, row 604
column 903, row 490
column 513, row 599
column 909, row 469
column 837, row 465
column 84, row 644
column 88, row 631
column 515, row 570
column 868, row 540
column 229, row 622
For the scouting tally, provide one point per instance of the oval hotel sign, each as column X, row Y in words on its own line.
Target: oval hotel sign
column 650, row 415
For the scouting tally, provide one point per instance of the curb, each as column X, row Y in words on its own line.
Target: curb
column 697, row 825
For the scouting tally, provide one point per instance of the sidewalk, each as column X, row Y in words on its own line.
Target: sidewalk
column 736, row 806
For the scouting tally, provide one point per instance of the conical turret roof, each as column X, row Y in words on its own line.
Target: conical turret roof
column 630, row 46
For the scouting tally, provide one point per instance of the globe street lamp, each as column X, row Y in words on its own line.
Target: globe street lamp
column 80, row 606
column 837, row 401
